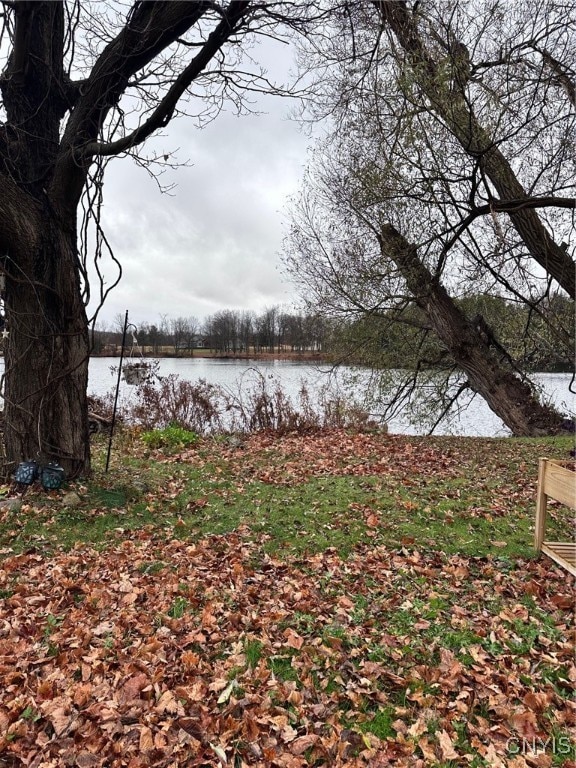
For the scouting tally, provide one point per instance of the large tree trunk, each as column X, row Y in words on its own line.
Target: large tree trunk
column 510, row 398
column 46, row 353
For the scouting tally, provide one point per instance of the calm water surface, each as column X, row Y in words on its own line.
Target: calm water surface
column 478, row 419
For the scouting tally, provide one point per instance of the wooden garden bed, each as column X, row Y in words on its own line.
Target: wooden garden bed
column 556, row 480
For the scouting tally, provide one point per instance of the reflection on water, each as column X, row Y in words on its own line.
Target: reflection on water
column 477, row 419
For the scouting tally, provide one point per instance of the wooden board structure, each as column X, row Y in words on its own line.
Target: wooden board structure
column 556, row 480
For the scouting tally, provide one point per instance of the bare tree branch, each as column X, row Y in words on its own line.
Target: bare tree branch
column 458, row 115
column 165, row 109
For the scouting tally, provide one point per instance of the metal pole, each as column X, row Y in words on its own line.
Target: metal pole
column 117, row 391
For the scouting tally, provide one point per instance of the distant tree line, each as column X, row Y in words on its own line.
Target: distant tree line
column 226, row 332
column 379, row 340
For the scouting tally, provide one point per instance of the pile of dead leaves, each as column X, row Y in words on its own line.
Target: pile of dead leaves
column 170, row 653
column 296, row 457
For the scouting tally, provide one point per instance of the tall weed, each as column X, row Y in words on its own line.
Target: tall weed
column 258, row 404
column 169, row 400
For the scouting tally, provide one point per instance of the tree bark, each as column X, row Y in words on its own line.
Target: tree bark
column 46, row 354
column 46, row 350
column 508, row 397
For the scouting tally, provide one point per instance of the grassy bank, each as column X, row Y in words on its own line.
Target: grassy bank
column 297, row 494
column 328, row 599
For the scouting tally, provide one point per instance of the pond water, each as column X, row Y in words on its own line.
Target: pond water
column 234, row 375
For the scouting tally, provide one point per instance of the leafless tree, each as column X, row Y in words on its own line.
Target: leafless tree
column 450, row 168
column 83, row 83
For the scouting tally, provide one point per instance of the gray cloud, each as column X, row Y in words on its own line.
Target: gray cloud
column 214, row 242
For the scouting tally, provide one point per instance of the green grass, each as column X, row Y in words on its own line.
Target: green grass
column 171, row 437
column 178, row 608
column 381, row 724
column 472, row 511
column 281, row 667
column 63, row 529
column 110, row 498
column 152, row 568
column 253, row 652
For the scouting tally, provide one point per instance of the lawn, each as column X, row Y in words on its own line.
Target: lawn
column 304, row 600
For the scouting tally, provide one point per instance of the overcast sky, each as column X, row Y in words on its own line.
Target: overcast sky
column 214, row 242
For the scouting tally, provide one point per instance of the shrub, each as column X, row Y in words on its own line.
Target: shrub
column 265, row 406
column 171, row 436
column 170, row 404
column 194, row 406
column 339, row 412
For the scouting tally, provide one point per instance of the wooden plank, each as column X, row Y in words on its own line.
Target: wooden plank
column 541, row 502
column 547, row 550
column 560, row 483
column 566, row 549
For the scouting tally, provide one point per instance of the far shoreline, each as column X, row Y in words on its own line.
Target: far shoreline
column 316, row 357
